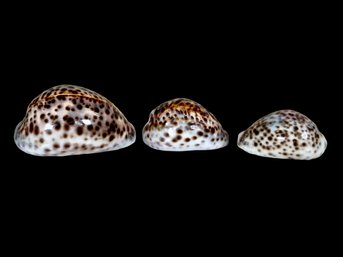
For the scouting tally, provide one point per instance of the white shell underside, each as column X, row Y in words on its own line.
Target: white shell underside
column 307, row 153
column 190, row 139
column 78, row 146
column 284, row 134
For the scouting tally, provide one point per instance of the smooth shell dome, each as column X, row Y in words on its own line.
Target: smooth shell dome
column 183, row 125
column 284, row 134
column 72, row 120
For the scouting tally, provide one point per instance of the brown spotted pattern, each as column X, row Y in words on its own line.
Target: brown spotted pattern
column 183, row 125
column 284, row 134
column 72, row 120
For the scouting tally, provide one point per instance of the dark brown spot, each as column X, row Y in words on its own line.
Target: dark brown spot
column 36, row 130
column 90, row 127
column 111, row 138
column 66, row 145
column 112, row 127
column 200, row 133
column 187, row 139
column 79, row 106
column 256, row 132
column 79, row 130
column 166, row 134
column 41, row 140
column 162, row 139
column 56, row 146
column 57, row 125
column 61, row 97
column 179, row 131
column 70, row 121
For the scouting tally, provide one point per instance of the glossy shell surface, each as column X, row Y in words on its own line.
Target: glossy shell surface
column 72, row 120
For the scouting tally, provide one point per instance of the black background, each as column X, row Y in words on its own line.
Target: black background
column 240, row 66
column 240, row 70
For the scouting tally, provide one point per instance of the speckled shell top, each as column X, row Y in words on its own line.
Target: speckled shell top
column 72, row 120
column 284, row 134
column 183, row 125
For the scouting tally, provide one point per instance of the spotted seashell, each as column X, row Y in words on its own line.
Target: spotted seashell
column 284, row 134
column 183, row 125
column 72, row 120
